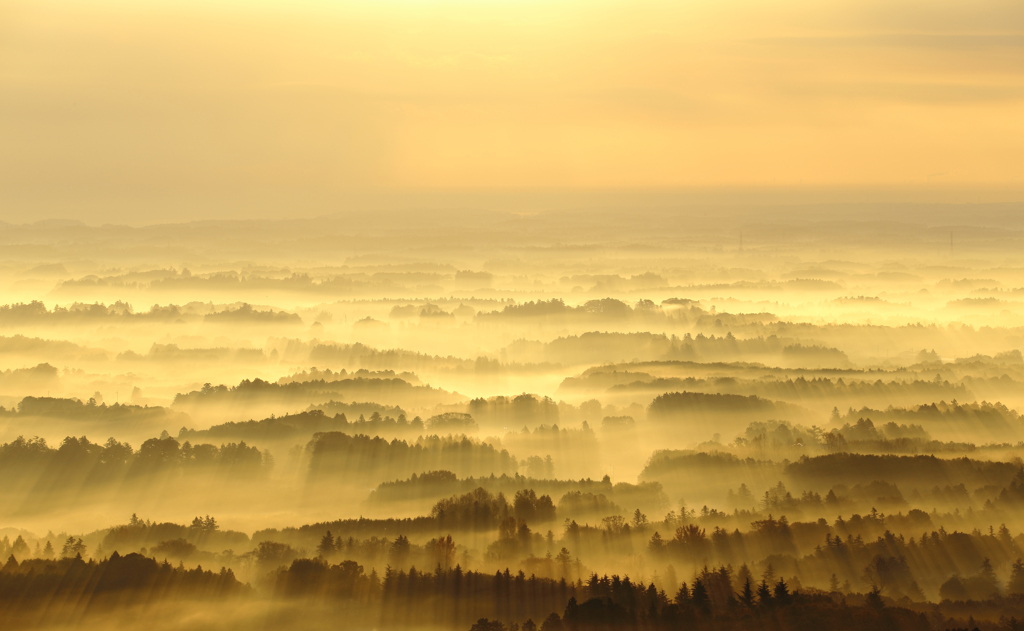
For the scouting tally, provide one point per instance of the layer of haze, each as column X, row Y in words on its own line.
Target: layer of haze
column 145, row 113
column 415, row 314
column 743, row 386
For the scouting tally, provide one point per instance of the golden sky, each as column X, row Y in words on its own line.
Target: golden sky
column 223, row 99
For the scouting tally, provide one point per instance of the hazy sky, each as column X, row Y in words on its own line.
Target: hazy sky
column 144, row 111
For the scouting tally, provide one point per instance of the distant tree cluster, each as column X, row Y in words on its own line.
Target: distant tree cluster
column 308, row 392
column 716, row 599
column 304, row 424
column 523, row 408
column 173, row 541
column 91, row 410
column 78, row 461
column 68, row 588
column 581, row 494
column 674, row 404
column 337, row 456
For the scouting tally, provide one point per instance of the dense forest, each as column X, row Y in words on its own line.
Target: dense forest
column 506, row 315
column 528, row 440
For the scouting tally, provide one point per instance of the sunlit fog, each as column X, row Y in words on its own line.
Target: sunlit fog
column 511, row 316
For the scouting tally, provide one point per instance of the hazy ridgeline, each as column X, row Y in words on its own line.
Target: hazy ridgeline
column 551, row 421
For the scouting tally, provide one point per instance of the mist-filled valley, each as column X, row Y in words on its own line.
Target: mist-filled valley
column 741, row 418
column 507, row 315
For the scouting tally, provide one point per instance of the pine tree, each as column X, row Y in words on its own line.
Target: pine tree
column 989, row 576
column 700, row 598
column 1016, row 584
column 781, row 592
column 747, row 595
column 564, row 560
column 683, row 596
column 326, row 546
column 656, row 545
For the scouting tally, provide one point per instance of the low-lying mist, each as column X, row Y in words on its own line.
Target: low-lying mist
column 646, row 423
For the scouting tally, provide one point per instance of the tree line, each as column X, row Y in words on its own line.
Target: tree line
column 79, row 462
